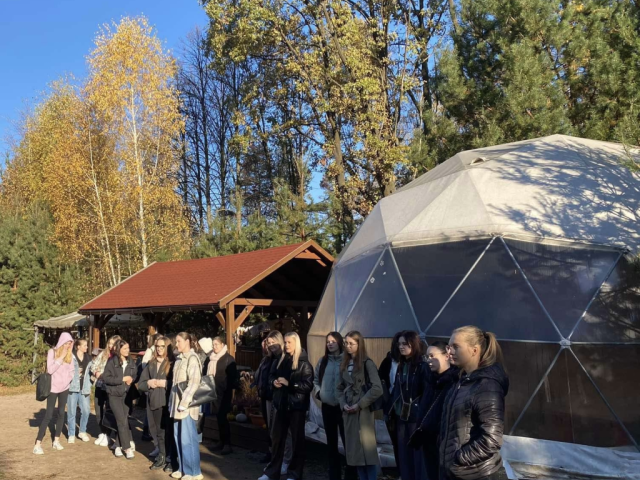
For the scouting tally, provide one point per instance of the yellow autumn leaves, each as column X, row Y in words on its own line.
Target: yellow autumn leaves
column 103, row 155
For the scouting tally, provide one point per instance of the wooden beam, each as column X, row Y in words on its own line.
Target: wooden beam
column 243, row 316
column 266, row 302
column 220, row 318
column 307, row 255
column 229, row 331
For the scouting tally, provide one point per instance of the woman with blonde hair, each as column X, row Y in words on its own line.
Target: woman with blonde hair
column 358, row 389
column 101, row 397
column 473, row 417
column 60, row 367
column 292, row 380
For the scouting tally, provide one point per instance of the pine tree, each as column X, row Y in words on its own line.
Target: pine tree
column 34, row 285
column 528, row 68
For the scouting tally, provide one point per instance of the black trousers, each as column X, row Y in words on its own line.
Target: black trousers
column 334, row 425
column 431, row 453
column 392, row 427
column 263, row 408
column 100, row 400
column 61, row 398
column 223, row 422
column 121, row 412
column 283, row 421
column 158, row 421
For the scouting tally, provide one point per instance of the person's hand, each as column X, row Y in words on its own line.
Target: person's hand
column 277, row 384
column 153, row 383
column 283, row 381
column 181, row 408
column 98, row 375
column 127, row 380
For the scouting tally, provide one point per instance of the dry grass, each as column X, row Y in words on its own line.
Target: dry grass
column 6, row 391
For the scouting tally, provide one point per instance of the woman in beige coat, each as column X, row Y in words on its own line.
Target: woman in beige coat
column 355, row 398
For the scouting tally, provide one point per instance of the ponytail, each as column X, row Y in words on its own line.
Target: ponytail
column 489, row 347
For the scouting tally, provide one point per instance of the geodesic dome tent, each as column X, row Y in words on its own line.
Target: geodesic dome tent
column 534, row 241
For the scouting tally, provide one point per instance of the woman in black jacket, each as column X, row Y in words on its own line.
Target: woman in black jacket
column 225, row 372
column 156, row 382
column 292, row 379
column 473, row 419
column 387, row 373
column 441, row 379
column 118, row 376
column 409, row 385
column 261, row 382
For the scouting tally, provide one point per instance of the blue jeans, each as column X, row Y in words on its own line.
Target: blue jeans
column 75, row 400
column 367, row 472
column 186, row 437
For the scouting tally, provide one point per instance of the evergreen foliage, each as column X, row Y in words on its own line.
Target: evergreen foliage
column 522, row 69
column 34, row 285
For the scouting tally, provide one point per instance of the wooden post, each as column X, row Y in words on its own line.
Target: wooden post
column 229, row 327
column 95, row 331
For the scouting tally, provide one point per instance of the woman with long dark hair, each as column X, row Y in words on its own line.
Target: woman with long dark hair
column 261, row 382
column 156, row 382
column 225, row 372
column 101, row 398
column 441, row 379
column 60, row 367
column 410, row 384
column 387, row 372
column 79, row 392
column 188, row 368
column 292, row 379
column 325, row 380
column 118, row 376
column 359, row 387
column 473, row 418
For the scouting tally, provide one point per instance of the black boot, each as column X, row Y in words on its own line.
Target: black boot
column 159, row 463
column 226, row 450
column 217, row 446
column 266, row 458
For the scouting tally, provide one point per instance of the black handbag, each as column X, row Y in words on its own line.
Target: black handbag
column 382, row 400
column 205, row 393
column 43, row 388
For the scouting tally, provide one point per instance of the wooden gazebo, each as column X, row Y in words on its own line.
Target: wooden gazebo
column 288, row 279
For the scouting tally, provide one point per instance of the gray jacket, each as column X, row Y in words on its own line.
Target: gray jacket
column 327, row 391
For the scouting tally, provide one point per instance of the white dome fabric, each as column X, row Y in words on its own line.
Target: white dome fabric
column 556, row 187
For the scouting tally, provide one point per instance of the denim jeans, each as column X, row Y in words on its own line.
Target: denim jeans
column 75, row 400
column 186, row 436
column 367, row 472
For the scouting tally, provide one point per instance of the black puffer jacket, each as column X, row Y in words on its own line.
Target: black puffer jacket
column 295, row 396
column 265, row 388
column 473, row 424
column 113, row 376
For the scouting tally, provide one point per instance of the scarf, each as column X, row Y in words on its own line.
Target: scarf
column 214, row 357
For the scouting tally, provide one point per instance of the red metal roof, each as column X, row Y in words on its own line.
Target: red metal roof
column 195, row 282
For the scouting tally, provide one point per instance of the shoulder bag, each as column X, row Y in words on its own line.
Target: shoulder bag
column 205, row 393
column 382, row 400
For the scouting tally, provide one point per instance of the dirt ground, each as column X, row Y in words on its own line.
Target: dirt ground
column 20, row 416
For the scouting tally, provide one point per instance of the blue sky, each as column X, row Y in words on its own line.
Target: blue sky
column 41, row 41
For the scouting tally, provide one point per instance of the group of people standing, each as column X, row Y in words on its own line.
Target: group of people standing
column 444, row 409
column 169, row 375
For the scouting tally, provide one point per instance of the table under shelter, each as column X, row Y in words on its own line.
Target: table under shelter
column 287, row 280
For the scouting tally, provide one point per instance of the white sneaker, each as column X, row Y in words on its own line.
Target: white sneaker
column 284, row 469
column 129, row 454
column 37, row 450
column 104, row 442
column 264, row 477
column 71, row 440
column 56, row 445
column 133, row 446
column 99, row 439
column 118, row 452
column 155, row 452
column 176, row 475
column 84, row 437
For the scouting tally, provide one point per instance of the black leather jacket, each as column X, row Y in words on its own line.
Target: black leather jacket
column 297, row 394
column 473, row 424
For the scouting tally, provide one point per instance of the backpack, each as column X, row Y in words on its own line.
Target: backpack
column 43, row 387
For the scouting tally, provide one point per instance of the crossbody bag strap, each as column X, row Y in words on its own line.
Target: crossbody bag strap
column 431, row 407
